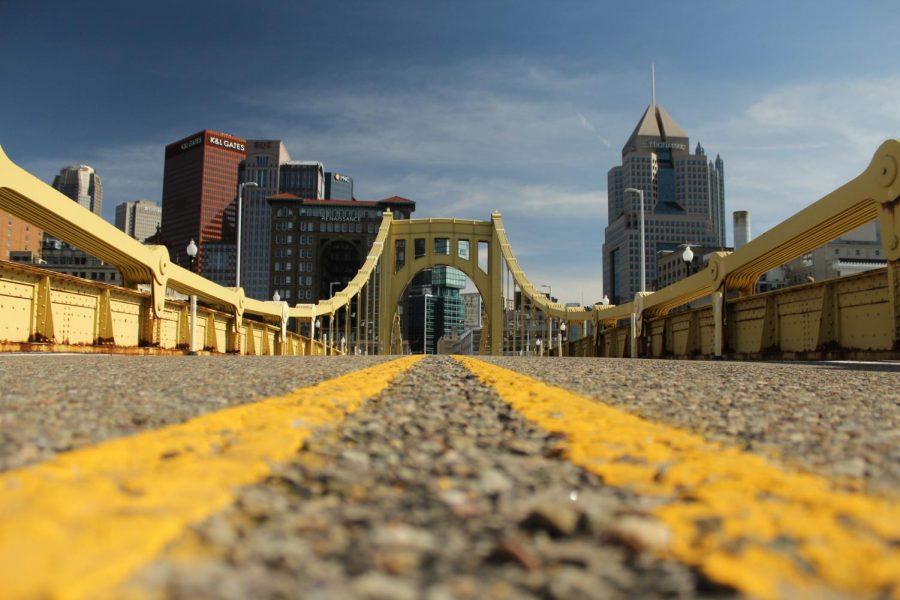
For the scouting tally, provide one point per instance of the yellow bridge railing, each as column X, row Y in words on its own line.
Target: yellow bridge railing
column 642, row 327
column 872, row 195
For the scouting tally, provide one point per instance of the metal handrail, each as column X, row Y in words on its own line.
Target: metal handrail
column 872, row 194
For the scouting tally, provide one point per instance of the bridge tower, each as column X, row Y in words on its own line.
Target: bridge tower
column 417, row 244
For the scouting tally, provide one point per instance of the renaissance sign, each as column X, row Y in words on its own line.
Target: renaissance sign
column 352, row 219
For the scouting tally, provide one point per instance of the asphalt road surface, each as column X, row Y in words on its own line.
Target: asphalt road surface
column 437, row 488
column 53, row 403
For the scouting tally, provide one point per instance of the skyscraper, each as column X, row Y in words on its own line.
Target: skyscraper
column 303, row 178
column 434, row 308
column 338, row 186
column 200, row 182
column 139, row 219
column 263, row 167
column 684, row 202
column 83, row 185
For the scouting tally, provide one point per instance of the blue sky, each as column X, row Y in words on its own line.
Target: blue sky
column 464, row 107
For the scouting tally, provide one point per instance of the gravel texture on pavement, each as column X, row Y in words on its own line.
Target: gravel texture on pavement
column 840, row 419
column 53, row 403
column 434, row 490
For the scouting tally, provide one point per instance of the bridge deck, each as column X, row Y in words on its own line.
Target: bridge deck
column 466, row 482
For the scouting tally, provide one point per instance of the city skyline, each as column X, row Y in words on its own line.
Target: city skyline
column 518, row 120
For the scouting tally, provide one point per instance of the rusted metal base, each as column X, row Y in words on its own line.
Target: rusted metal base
column 82, row 349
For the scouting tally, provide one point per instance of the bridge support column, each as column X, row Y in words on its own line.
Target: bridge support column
column 893, row 277
column 718, row 306
column 637, row 324
column 634, row 334
column 496, row 290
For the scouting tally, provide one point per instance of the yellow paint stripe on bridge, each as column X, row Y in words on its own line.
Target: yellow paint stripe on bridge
column 79, row 524
column 738, row 517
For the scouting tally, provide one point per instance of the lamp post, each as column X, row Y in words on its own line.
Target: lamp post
column 527, row 334
column 640, row 194
column 561, row 333
column 318, row 330
column 537, row 343
column 237, row 262
column 192, row 254
column 425, row 325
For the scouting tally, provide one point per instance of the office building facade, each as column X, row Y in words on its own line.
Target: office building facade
column 435, row 309
column 317, row 245
column 303, row 178
column 139, row 219
column 83, row 185
column 61, row 257
column 200, row 182
column 338, row 186
column 684, row 202
column 17, row 235
column 262, row 166
column 473, row 317
column 854, row 252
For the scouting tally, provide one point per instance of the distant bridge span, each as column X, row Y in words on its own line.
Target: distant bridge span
column 38, row 311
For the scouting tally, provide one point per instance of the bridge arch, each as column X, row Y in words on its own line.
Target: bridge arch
column 469, row 246
column 404, row 247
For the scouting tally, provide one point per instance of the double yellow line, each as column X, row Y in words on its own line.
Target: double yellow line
column 79, row 524
column 739, row 518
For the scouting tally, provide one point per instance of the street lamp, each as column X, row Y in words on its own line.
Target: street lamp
column 537, row 343
column 237, row 262
column 192, row 254
column 527, row 334
column 561, row 332
column 688, row 257
column 640, row 194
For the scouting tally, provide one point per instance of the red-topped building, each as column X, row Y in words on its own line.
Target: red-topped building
column 317, row 245
column 199, row 195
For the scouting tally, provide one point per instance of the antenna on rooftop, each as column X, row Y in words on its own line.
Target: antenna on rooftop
column 653, row 84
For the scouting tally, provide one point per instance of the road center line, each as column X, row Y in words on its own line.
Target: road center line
column 80, row 523
column 742, row 520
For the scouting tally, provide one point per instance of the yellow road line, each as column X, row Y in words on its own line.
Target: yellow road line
column 82, row 522
column 741, row 519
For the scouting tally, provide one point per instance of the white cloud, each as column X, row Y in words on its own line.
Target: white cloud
column 515, row 138
column 796, row 143
column 534, row 143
